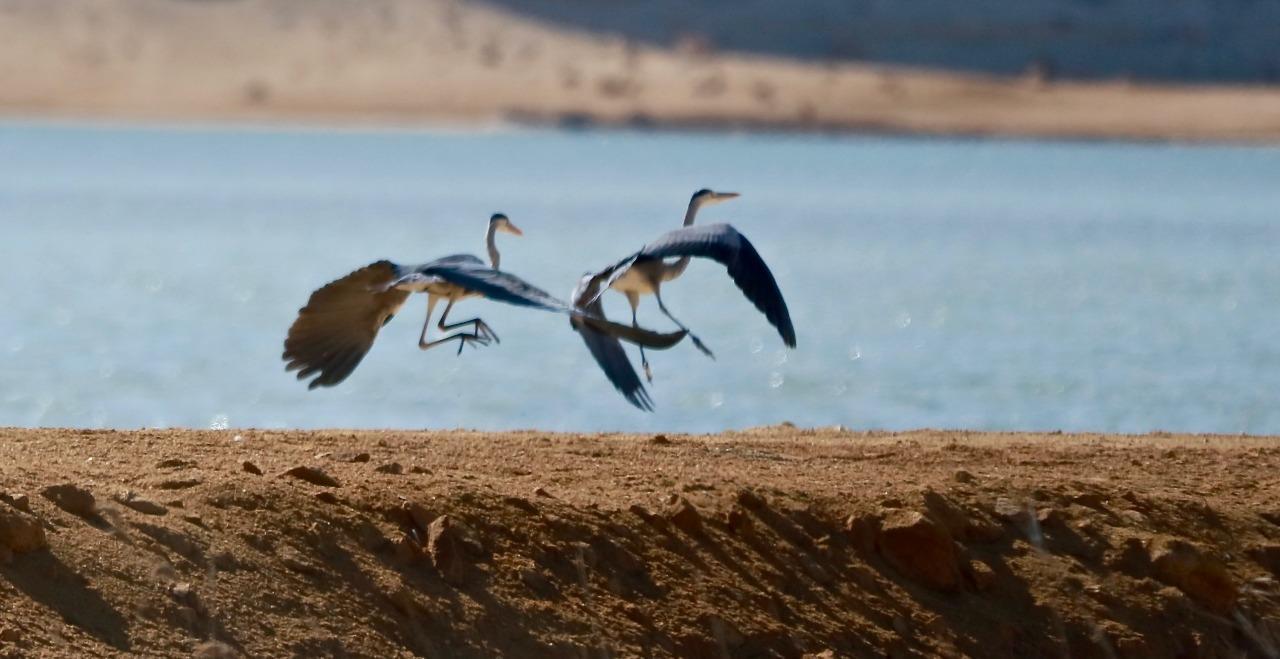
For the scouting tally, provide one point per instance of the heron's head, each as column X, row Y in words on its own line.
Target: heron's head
column 500, row 222
column 705, row 197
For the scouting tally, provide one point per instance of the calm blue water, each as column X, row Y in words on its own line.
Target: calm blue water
column 149, row 276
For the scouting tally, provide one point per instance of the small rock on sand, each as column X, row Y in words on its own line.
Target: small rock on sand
column 418, row 514
column 542, row 492
column 251, row 468
column 393, row 468
column 20, row 532
column 327, row 497
column 185, row 594
column 130, row 499
column 71, row 498
column 1202, row 577
column 177, row 483
column 981, row 576
column 521, row 503
column 19, row 501
column 313, row 475
column 920, row 549
column 959, row 523
column 445, row 547
column 750, row 500
column 684, row 516
column 739, row 522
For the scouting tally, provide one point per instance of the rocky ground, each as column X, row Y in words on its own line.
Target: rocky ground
column 423, row 61
column 769, row 542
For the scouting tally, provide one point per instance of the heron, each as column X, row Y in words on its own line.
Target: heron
column 641, row 281
column 341, row 320
column 645, row 271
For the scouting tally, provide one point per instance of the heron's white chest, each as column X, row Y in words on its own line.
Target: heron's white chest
column 634, row 280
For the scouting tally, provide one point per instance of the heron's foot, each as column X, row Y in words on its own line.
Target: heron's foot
column 483, row 329
column 471, row 339
column 700, row 346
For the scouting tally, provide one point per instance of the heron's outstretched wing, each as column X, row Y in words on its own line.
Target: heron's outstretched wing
column 613, row 360
column 495, row 285
column 721, row 243
column 336, row 328
column 506, row 287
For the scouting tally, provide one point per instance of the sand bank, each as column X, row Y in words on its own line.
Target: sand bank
column 770, row 542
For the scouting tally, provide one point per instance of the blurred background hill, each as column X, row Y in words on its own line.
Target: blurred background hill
column 1082, row 68
column 1194, row 40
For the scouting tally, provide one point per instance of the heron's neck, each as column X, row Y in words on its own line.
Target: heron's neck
column 690, row 214
column 677, row 267
column 490, row 243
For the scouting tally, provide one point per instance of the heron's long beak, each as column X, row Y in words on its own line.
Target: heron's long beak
column 512, row 229
column 724, row 196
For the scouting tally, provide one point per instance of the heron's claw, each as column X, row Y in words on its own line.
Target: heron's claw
column 466, row 339
column 487, row 331
column 700, row 346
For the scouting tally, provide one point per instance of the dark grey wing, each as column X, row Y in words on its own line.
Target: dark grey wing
column 634, row 335
column 613, row 360
column 336, row 328
column 495, row 285
column 723, row 243
column 506, row 287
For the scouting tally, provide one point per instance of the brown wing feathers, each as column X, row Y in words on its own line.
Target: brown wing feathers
column 336, row 328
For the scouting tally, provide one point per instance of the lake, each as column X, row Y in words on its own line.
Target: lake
column 150, row 274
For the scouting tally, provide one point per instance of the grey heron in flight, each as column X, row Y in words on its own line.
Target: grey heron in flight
column 336, row 328
column 648, row 277
column 645, row 271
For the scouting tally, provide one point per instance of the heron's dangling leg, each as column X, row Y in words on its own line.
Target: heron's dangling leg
column 696, row 341
column 463, row 338
column 634, row 300
column 479, row 327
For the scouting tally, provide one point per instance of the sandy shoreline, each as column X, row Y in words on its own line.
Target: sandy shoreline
column 767, row 542
column 473, row 64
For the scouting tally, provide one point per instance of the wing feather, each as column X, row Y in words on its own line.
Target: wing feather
column 725, row 245
column 612, row 358
column 339, row 323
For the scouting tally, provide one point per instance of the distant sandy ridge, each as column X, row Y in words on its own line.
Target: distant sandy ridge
column 432, row 61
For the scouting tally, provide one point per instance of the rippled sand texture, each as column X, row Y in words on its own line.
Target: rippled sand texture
column 469, row 62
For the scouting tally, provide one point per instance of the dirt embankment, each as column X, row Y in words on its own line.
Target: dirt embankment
column 438, row 60
column 772, row 542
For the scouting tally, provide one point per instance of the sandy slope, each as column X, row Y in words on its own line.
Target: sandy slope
column 431, row 60
column 771, row 542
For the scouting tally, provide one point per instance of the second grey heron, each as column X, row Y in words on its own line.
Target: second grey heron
column 642, row 280
column 644, row 272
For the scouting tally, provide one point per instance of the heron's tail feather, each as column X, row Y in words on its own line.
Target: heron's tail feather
column 636, row 335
